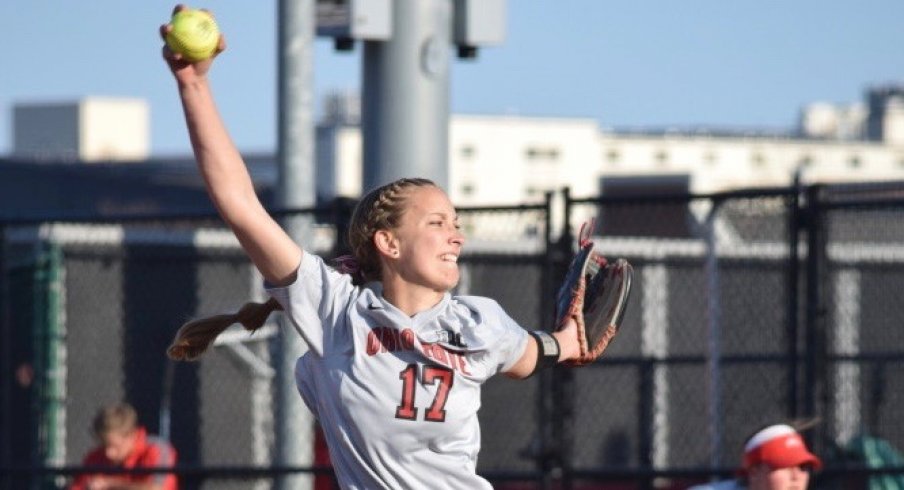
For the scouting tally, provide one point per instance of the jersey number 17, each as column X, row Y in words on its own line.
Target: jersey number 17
column 430, row 375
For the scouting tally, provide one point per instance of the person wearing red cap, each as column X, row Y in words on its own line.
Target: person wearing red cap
column 775, row 458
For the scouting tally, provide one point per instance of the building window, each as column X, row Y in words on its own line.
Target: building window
column 757, row 159
column 536, row 153
column 661, row 157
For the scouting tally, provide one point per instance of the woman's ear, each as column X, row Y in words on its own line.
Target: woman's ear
column 386, row 243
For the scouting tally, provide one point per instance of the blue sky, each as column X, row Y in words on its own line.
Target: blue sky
column 734, row 63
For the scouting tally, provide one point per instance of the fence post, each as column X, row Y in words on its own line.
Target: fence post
column 544, row 410
column 814, row 372
column 796, row 222
column 563, row 389
column 554, row 413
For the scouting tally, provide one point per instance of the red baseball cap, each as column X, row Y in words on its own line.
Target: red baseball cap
column 779, row 446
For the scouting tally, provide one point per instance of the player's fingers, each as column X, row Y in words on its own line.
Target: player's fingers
column 168, row 54
column 179, row 8
column 164, row 30
column 221, row 45
column 171, row 55
column 208, row 12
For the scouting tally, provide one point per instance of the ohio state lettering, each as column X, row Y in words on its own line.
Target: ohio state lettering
column 381, row 340
column 385, row 339
column 450, row 358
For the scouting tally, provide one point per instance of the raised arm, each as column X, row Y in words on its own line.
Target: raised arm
column 227, row 180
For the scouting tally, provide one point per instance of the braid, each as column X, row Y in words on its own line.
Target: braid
column 194, row 337
column 380, row 209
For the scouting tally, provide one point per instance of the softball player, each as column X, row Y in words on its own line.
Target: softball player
column 395, row 363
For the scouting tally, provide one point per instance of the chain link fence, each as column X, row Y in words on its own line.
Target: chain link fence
column 748, row 308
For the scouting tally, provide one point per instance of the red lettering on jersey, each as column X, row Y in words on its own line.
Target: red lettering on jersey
column 373, row 343
column 406, row 409
column 453, row 359
column 407, row 339
column 462, row 366
column 389, row 339
column 437, row 412
column 386, row 339
column 440, row 354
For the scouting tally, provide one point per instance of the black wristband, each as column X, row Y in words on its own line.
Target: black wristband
column 547, row 350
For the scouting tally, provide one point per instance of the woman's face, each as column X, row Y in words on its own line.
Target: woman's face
column 762, row 477
column 428, row 240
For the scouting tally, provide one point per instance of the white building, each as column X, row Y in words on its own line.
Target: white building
column 91, row 129
column 510, row 159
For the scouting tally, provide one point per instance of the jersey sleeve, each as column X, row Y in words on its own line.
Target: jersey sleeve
column 505, row 339
column 315, row 302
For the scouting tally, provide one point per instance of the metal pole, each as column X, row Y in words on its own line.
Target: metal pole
column 795, row 224
column 714, row 330
column 405, row 102
column 563, row 387
column 814, row 379
column 295, row 189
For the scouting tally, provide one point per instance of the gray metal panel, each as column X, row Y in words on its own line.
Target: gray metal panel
column 405, row 117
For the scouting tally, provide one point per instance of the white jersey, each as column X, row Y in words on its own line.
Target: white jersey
column 397, row 396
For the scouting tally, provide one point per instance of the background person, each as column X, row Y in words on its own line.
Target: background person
column 125, row 444
column 775, row 458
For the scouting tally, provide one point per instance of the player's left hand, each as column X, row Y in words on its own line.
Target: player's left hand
column 592, row 300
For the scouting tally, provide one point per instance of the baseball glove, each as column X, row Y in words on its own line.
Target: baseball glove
column 594, row 293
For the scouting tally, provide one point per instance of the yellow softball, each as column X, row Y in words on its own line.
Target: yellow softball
column 194, row 35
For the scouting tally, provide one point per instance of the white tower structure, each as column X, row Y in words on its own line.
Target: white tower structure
column 91, row 129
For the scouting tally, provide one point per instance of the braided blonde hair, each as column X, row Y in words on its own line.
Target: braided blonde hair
column 380, row 209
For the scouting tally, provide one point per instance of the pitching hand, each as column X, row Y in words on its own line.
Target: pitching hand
column 185, row 71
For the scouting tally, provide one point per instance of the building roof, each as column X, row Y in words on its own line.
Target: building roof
column 30, row 190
